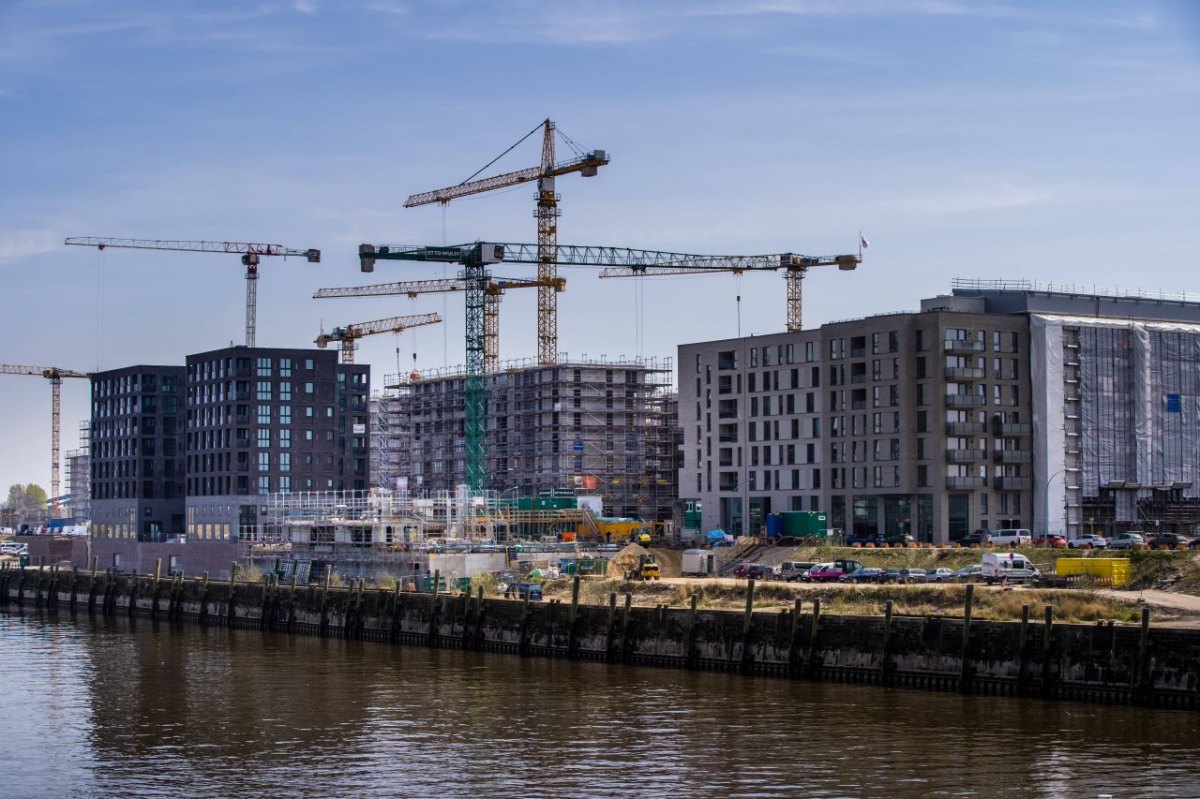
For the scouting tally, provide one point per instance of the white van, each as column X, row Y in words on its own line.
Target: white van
column 1003, row 566
column 1010, row 537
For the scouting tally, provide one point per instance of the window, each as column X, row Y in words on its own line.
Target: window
column 285, row 461
column 893, row 341
column 264, row 367
column 285, row 414
column 264, row 414
column 922, row 422
column 308, row 388
column 264, row 485
column 264, row 389
column 308, row 411
column 264, row 461
column 264, row 438
column 285, row 438
column 285, row 367
column 285, row 391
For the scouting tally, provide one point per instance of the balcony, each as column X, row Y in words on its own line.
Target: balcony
column 1013, row 483
column 965, row 401
column 1012, row 429
column 965, row 428
column 1011, row 456
column 965, row 373
column 963, row 346
column 966, row 482
column 965, row 455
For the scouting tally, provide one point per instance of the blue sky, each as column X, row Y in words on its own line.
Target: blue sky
column 1050, row 141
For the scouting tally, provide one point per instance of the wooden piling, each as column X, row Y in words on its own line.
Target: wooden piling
column 1047, row 642
column 966, row 675
column 813, row 628
column 572, row 621
column 887, row 667
column 691, row 655
column 748, row 626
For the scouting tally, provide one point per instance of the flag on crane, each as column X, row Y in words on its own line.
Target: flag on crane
column 863, row 240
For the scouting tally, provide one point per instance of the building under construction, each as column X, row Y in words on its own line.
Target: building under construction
column 607, row 428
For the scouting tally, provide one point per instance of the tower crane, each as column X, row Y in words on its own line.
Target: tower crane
column 493, row 290
column 251, row 254
column 55, row 375
column 547, row 213
column 794, row 266
column 477, row 256
column 349, row 334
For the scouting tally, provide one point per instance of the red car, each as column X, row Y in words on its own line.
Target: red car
column 1052, row 540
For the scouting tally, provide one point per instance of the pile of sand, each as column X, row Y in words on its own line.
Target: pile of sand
column 625, row 560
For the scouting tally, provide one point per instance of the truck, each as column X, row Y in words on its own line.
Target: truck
column 1006, row 567
column 698, row 563
column 646, row 569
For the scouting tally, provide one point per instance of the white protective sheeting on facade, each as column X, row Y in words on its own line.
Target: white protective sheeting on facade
column 1049, row 438
column 1138, row 413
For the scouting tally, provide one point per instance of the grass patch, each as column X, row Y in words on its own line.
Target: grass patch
column 1078, row 606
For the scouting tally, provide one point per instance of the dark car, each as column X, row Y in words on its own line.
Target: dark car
column 532, row 591
column 750, row 571
column 865, row 574
column 977, row 538
column 889, row 576
column 1169, row 541
column 899, row 540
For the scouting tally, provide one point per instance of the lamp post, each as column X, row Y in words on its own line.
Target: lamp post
column 1046, row 495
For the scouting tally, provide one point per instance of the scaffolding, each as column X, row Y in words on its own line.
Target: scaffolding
column 79, row 475
column 606, row 427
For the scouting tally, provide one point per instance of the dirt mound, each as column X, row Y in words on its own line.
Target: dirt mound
column 625, row 560
column 670, row 562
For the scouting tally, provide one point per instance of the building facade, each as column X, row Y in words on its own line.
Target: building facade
column 136, row 458
column 1004, row 404
column 262, row 421
column 602, row 428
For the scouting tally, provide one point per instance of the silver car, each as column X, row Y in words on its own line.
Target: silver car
column 1129, row 540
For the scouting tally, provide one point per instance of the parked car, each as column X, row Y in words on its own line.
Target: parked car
column 942, row 575
column 1128, row 540
column 913, row 576
column 1169, row 541
column 791, row 570
column 14, row 548
column 830, row 572
column 1053, row 540
column 973, row 539
column 1087, row 541
column 755, row 571
column 969, row 574
column 531, row 590
column 889, row 576
column 806, row 575
column 866, row 574
column 1009, row 536
column 899, row 540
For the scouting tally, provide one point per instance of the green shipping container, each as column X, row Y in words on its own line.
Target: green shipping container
column 804, row 524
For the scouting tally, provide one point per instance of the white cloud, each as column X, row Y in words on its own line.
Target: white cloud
column 24, row 243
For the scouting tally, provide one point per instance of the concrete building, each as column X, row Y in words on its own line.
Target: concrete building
column 1002, row 404
column 884, row 422
column 137, row 453
column 602, row 428
column 261, row 421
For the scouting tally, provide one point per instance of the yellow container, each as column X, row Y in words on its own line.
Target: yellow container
column 1113, row 570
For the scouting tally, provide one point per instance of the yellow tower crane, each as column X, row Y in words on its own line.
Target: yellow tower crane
column 547, row 213
column 55, row 376
column 349, row 334
column 493, row 290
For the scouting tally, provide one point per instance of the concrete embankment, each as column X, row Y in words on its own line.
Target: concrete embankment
column 1034, row 657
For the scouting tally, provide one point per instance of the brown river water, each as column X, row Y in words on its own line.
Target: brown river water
column 121, row 708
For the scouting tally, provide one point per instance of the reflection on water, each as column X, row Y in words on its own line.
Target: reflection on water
column 103, row 707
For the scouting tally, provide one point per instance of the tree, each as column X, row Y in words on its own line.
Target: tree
column 26, row 498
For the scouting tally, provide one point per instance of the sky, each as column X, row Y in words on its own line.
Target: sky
column 963, row 138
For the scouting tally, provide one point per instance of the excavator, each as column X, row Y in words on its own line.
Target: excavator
column 646, row 569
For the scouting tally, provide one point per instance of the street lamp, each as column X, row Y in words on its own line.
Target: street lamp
column 1046, row 496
